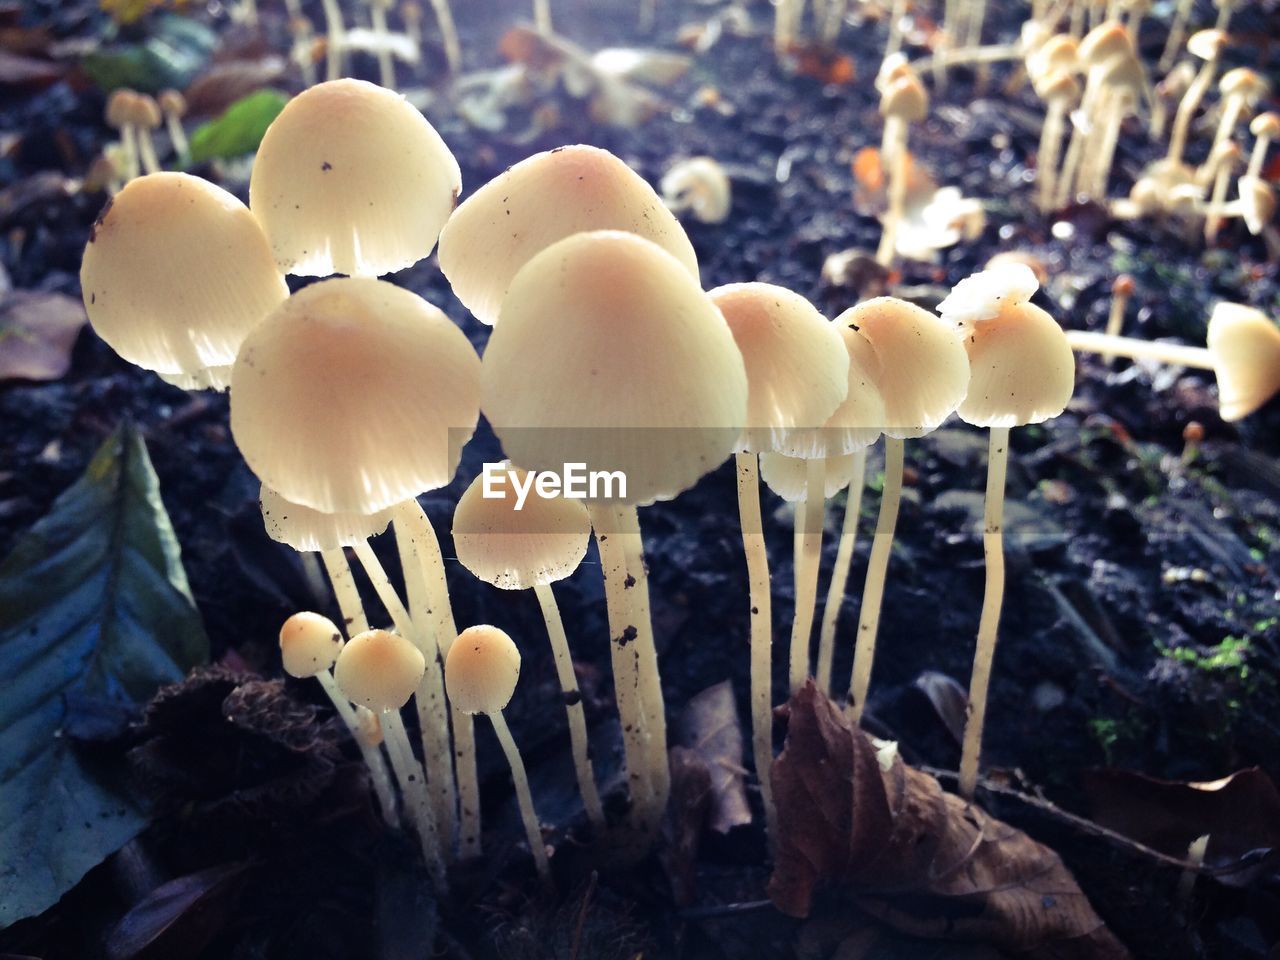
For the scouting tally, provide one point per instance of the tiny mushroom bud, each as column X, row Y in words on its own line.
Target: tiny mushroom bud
column 1121, row 290
column 174, row 106
column 700, row 186
column 538, row 201
column 902, row 102
column 350, row 178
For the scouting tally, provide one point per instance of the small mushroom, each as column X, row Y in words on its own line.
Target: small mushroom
column 1060, row 91
column 147, row 117
column 1207, row 45
column 1225, row 160
column 1240, row 88
column 700, row 186
column 903, row 101
column 120, row 116
column 174, row 106
column 1121, row 291
column 481, row 673
column 1266, row 127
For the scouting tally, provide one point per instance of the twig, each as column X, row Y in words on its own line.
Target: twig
column 724, row 910
column 582, row 916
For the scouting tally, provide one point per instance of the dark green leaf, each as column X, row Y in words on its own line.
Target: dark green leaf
column 176, row 49
column 239, row 129
column 94, row 605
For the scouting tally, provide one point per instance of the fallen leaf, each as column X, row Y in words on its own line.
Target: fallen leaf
column 923, row 861
column 711, row 728
column 93, row 602
column 824, row 63
column 239, row 129
column 1240, row 813
column 176, row 49
column 19, row 71
column 226, row 82
column 178, row 918
column 37, row 332
column 691, row 801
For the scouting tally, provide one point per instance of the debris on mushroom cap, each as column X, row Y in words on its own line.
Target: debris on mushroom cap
column 1245, row 345
column 481, row 670
column 797, row 372
column 176, row 273
column 699, row 185
column 936, row 221
column 920, row 367
column 538, row 201
column 541, row 540
column 353, row 396
column 306, row 530
column 1021, row 368
column 1028, row 260
column 984, row 294
column 379, row 669
column 309, row 644
column 905, row 97
column 609, row 354
column 350, row 178
column 788, row 477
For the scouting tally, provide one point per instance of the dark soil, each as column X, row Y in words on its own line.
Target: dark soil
column 1108, row 638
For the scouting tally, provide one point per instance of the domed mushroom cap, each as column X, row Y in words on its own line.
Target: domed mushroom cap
column 305, row 529
column 309, row 644
column 176, row 273
column 379, row 669
column 1060, row 53
column 788, row 477
column 609, row 354
column 916, row 361
column 859, row 420
column 540, row 200
column 515, row 549
column 1266, row 125
column 905, row 97
column 350, row 178
column 1207, row 44
column 797, row 369
column 354, row 395
column 1243, row 82
column 1105, row 41
column 481, row 670
column 1245, row 345
column 1059, row 86
column 1257, row 203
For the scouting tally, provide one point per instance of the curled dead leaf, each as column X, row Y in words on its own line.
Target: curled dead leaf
column 37, row 333
column 710, row 727
column 923, row 861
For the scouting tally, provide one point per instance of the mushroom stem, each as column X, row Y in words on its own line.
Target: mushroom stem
column 147, row 151
column 410, row 516
column 386, row 66
column 807, row 571
column 572, row 705
column 622, row 633
column 178, row 137
column 523, row 796
column 1187, row 108
column 1050, row 147
column 893, row 153
column 1177, row 35
column 1115, row 318
column 1231, row 111
column 335, row 39
column 356, row 720
column 382, row 585
column 840, row 572
column 832, row 19
column 429, row 699
column 992, row 602
column 448, row 34
column 897, row 12
column 1217, row 200
column 412, row 783
column 753, row 545
column 344, row 590
column 864, row 650
column 1258, row 156
column 542, row 16
column 1088, row 342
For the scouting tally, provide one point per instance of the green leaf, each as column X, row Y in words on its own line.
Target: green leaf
column 175, row 51
column 94, row 608
column 239, row 129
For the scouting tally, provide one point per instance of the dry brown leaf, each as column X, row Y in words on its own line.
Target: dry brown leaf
column 824, row 63
column 921, row 860
column 37, row 332
column 710, row 727
column 28, row 72
column 870, row 186
column 224, row 83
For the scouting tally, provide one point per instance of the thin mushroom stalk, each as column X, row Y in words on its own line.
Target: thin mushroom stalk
column 386, row 65
column 1050, row 147
column 1134, row 349
column 840, row 573
column 359, row 721
column 807, row 572
column 524, row 796
column 448, row 34
column 413, row 783
column 894, row 154
column 335, row 40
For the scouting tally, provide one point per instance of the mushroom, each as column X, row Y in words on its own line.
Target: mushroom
column 1256, row 205
column 309, row 645
column 448, row 34
column 378, row 21
column 542, row 16
column 1243, row 352
column 595, row 314
column 174, row 106
column 175, row 274
column 303, row 51
column 120, row 116
column 1021, row 371
column 921, row 371
column 1266, row 127
column 528, row 543
column 538, row 201
column 1208, row 46
column 904, row 101
column 1060, row 90
column 1224, row 161
column 335, row 44
column 351, row 398
column 350, row 178
column 380, row 671
column 1240, row 88
column 1122, row 86
column 700, row 186
column 1121, row 290
column 481, row 673
column 1168, row 92
column 796, row 377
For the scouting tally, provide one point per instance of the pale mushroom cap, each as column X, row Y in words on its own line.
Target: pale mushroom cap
column 1059, row 85
column 305, row 529
column 171, row 101
column 1021, row 368
column 1105, row 41
column 920, row 365
column 1059, row 53
column 1245, row 344
column 539, row 201
column 120, row 107
column 609, row 354
column 481, row 670
column 309, row 644
column 148, row 115
column 176, row 273
column 379, row 669
column 982, row 295
column 699, row 185
column 1243, row 82
column 1207, row 44
column 860, row 418
column 1257, row 203
column 1029, row 260
column 788, row 477
column 797, row 368
column 354, row 395
column 350, row 178
column 542, row 542
column 905, row 97
column 1266, row 125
